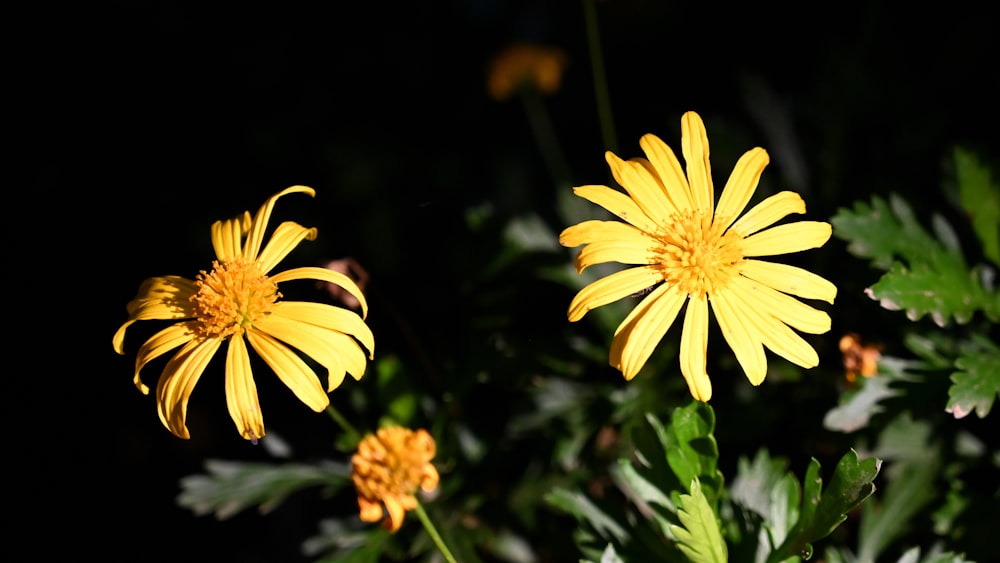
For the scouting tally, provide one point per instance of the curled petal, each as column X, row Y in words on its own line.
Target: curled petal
column 327, row 275
column 159, row 298
column 177, row 382
column 286, row 237
column 159, row 344
column 227, row 236
column 290, row 369
column 255, row 236
column 327, row 316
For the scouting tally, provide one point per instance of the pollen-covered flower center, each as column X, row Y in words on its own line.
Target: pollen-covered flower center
column 697, row 256
column 232, row 296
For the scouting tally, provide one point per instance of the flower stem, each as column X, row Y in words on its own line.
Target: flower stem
column 342, row 422
column 433, row 533
column 600, row 80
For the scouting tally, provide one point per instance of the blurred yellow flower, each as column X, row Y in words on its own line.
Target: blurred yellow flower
column 703, row 255
column 388, row 468
column 859, row 358
column 239, row 299
column 525, row 63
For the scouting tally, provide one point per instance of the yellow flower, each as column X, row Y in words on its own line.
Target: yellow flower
column 704, row 255
column 239, row 299
column 388, row 468
column 524, row 63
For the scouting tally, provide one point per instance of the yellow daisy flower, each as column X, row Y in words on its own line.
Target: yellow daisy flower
column 388, row 468
column 703, row 254
column 238, row 301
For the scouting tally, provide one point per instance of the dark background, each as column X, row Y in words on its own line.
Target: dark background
column 138, row 124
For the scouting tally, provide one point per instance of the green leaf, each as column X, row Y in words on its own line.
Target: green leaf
column 768, row 489
column 857, row 408
column 231, row 486
column 977, row 385
column 692, row 451
column 980, row 198
column 926, row 275
column 822, row 511
column 699, row 536
column 584, row 510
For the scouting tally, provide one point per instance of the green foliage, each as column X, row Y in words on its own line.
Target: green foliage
column 232, row 486
column 698, row 535
column 977, row 385
column 980, row 198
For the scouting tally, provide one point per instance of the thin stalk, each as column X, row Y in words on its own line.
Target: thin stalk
column 342, row 422
column 433, row 533
column 600, row 80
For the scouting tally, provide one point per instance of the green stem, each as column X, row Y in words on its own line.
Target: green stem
column 600, row 80
column 433, row 533
column 342, row 422
column 545, row 136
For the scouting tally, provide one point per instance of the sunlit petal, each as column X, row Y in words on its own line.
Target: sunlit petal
column 612, row 288
column 617, row 203
column 159, row 344
column 641, row 331
column 736, row 329
column 784, row 307
column 769, row 212
column 177, row 382
column 327, row 275
column 293, row 372
column 327, row 316
column 694, row 147
column 785, row 239
column 789, row 279
column 285, row 238
column 668, row 168
column 241, row 391
column 694, row 349
column 255, row 236
column 741, row 186
column 227, row 236
column 644, row 187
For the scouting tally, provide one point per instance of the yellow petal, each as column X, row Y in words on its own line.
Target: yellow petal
column 594, row 231
column 617, row 203
column 396, row 513
column 336, row 352
column 327, row 275
column 784, row 239
column 644, row 187
column 784, row 307
column 241, row 391
column 177, row 382
column 668, row 168
column 789, row 279
column 159, row 298
column 612, row 288
column 327, row 316
column 627, row 245
column 227, row 236
column 741, row 186
column 694, row 146
column 255, row 237
column 736, row 329
column 369, row 511
column 769, row 212
column 286, row 237
column 290, row 369
column 642, row 330
column 694, row 349
column 160, row 343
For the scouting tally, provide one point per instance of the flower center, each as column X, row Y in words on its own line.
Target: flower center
column 697, row 256
column 230, row 297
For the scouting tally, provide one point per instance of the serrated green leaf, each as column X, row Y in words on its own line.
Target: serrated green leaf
column 232, row 486
column 822, row 511
column 910, row 491
column 699, row 536
column 767, row 488
column 980, row 198
column 926, row 275
column 579, row 506
column 692, row 451
column 857, row 408
column 977, row 385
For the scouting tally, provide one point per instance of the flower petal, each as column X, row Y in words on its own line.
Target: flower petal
column 610, row 241
column 773, row 333
column 290, row 369
column 782, row 306
column 612, row 288
column 785, row 239
column 336, row 352
column 694, row 146
column 643, row 329
column 739, row 335
column 159, row 344
column 286, row 237
column 241, row 391
column 327, row 316
column 741, row 186
column 694, row 349
column 327, row 275
column 643, row 185
column 769, row 212
column 159, row 298
column 668, row 168
column 227, row 236
column 177, row 382
column 617, row 203
column 255, row 237
column 789, row 279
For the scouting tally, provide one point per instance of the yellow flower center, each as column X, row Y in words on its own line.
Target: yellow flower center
column 697, row 256
column 230, row 297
